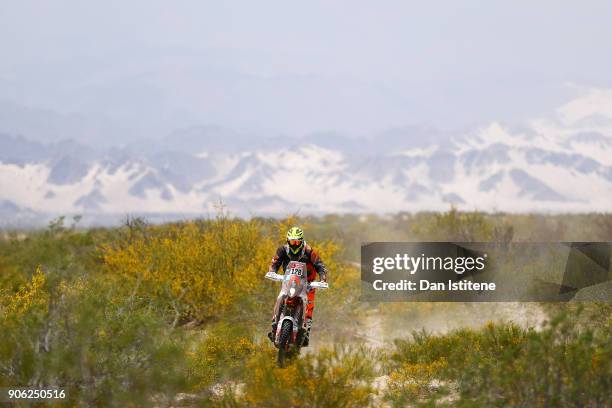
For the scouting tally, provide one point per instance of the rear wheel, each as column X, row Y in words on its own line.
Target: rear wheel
column 283, row 343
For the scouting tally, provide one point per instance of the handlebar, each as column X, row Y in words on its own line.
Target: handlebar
column 279, row 278
column 275, row 276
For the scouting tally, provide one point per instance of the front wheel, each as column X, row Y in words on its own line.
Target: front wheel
column 283, row 343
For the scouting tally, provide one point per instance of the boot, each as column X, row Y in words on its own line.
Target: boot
column 272, row 333
column 307, row 335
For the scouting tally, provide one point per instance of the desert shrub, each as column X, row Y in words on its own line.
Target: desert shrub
column 411, row 383
column 338, row 377
column 102, row 348
column 459, row 226
column 65, row 251
column 564, row 364
column 220, row 355
column 193, row 269
column 423, row 366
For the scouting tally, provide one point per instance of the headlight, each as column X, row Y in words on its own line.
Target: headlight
column 291, row 292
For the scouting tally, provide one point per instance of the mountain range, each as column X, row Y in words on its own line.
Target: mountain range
column 546, row 166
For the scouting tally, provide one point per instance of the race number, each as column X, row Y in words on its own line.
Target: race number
column 297, row 268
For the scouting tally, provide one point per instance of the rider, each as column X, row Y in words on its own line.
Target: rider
column 296, row 249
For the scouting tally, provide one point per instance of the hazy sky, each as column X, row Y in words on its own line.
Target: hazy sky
column 298, row 67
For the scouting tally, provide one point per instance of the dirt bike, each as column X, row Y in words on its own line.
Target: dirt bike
column 291, row 313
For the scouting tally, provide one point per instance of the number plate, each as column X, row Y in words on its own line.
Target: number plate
column 297, row 268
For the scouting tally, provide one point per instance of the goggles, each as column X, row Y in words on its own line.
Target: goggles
column 295, row 242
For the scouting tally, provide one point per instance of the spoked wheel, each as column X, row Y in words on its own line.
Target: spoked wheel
column 283, row 343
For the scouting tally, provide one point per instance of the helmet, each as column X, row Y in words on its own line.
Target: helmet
column 295, row 240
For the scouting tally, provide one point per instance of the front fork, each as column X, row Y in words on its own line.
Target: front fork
column 277, row 309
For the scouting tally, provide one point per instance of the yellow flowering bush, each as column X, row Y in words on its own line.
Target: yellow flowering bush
column 31, row 296
column 414, row 381
column 197, row 269
column 332, row 377
column 220, row 354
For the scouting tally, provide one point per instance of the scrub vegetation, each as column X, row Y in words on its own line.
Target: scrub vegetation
column 176, row 315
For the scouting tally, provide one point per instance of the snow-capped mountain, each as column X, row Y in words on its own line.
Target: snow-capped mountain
column 551, row 165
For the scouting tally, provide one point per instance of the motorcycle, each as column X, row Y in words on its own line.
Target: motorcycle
column 291, row 313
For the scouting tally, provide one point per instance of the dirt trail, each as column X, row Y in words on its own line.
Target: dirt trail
column 376, row 331
column 443, row 320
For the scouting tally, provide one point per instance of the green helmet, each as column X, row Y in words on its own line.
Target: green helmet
column 295, row 240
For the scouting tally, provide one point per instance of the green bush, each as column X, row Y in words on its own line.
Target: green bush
column 564, row 364
column 101, row 348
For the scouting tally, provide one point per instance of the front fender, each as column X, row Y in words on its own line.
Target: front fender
column 291, row 319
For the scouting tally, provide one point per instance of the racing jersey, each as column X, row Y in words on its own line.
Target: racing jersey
column 308, row 256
